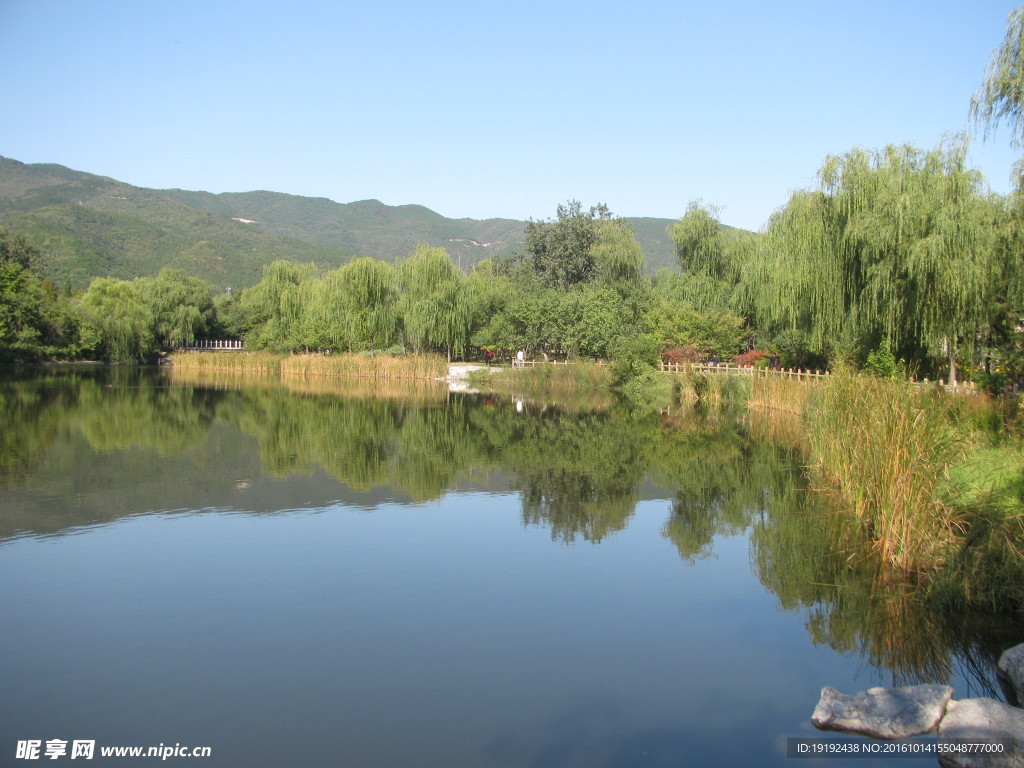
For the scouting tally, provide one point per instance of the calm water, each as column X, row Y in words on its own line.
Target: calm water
column 304, row 578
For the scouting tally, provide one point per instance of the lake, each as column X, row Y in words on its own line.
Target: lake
column 313, row 574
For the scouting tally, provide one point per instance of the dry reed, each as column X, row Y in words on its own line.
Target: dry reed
column 252, row 362
column 548, row 378
column 781, row 394
column 423, row 367
column 882, row 454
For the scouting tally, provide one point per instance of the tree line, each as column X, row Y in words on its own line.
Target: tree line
column 899, row 249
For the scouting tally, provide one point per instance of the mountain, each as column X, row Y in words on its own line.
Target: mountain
column 94, row 226
column 367, row 227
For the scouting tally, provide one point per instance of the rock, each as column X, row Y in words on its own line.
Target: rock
column 974, row 720
column 1011, row 667
column 884, row 713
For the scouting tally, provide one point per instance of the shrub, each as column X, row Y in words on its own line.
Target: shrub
column 882, row 363
column 750, row 358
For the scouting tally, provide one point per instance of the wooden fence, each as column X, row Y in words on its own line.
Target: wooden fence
column 534, row 363
column 742, row 370
column 211, row 345
column 969, row 387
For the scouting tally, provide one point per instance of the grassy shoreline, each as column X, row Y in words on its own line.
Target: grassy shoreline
column 930, row 484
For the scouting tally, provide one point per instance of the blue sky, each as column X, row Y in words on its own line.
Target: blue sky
column 490, row 109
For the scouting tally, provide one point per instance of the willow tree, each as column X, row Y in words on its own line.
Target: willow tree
column 116, row 321
column 712, row 262
column 1001, row 96
column 355, row 307
column 894, row 247
column 278, row 306
column 618, row 258
column 698, row 239
column 432, row 303
column 182, row 306
column 1000, row 99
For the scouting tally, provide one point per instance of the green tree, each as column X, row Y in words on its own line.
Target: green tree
column 231, row 321
column 435, row 312
column 117, row 322
column 1001, row 99
column 560, row 252
column 712, row 263
column 698, row 239
column 680, row 325
column 896, row 246
column 354, row 307
column 277, row 307
column 1001, row 96
column 182, row 306
column 618, row 259
column 35, row 320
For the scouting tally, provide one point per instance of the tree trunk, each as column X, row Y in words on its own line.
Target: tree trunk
column 952, row 363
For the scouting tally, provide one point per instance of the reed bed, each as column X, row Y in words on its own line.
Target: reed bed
column 424, row 367
column 428, row 367
column 883, row 454
column 250, row 362
column 578, row 377
column 781, row 394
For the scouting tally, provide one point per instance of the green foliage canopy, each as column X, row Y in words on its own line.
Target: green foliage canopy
column 116, row 320
column 433, row 305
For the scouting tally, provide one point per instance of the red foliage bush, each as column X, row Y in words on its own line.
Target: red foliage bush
column 750, row 358
column 680, row 355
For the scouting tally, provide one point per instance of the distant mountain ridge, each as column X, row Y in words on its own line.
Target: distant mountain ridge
column 94, row 226
column 367, row 227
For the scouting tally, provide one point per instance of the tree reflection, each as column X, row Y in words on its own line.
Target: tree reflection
column 578, row 473
column 816, row 563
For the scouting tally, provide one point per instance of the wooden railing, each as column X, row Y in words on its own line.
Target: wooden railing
column 742, row 370
column 535, row 363
column 793, row 373
column 212, row 345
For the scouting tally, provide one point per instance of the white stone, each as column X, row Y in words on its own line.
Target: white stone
column 975, row 721
column 1011, row 666
column 884, row 713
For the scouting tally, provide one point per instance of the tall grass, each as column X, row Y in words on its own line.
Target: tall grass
column 882, row 453
column 578, row 377
column 428, row 367
column 253, row 362
column 423, row 367
column 781, row 394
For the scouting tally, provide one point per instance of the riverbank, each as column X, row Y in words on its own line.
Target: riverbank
column 927, row 484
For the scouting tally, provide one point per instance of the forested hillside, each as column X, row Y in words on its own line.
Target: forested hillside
column 92, row 226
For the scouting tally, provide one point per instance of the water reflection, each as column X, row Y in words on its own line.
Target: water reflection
column 80, row 447
column 812, row 561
